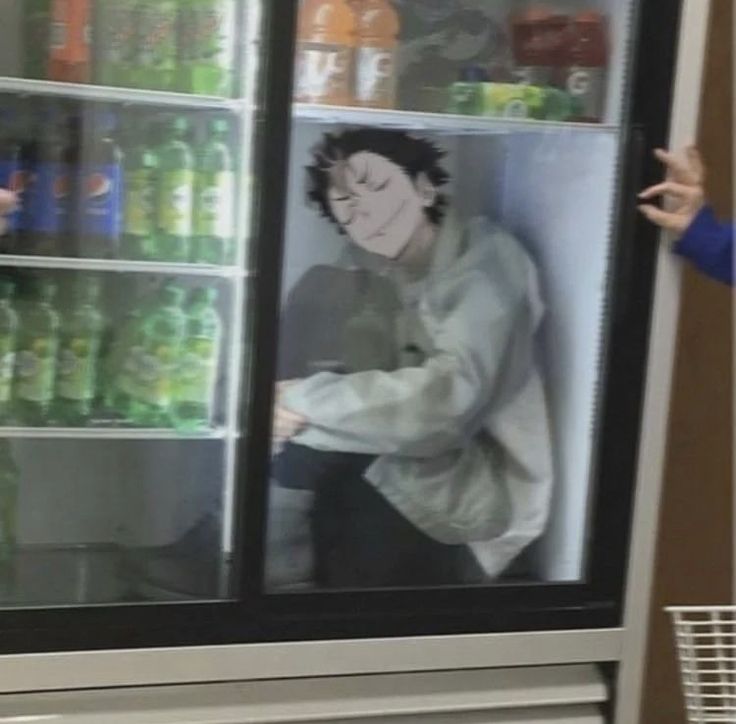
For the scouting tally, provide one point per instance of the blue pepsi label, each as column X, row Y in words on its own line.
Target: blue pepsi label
column 101, row 203
column 47, row 208
column 13, row 178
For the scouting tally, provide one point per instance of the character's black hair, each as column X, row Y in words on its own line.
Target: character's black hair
column 415, row 155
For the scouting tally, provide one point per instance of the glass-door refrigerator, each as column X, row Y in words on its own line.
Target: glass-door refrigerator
column 324, row 330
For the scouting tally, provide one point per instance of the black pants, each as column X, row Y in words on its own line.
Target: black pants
column 360, row 540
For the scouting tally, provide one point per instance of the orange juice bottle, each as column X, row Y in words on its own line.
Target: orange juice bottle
column 378, row 32
column 325, row 53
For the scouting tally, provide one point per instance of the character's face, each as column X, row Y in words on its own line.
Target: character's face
column 377, row 203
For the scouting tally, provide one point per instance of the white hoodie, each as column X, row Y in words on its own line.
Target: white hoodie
column 462, row 442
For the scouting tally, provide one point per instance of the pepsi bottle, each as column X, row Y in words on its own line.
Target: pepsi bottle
column 12, row 176
column 47, row 212
column 100, row 191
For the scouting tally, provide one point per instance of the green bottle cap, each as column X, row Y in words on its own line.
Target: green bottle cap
column 87, row 288
column 46, row 290
column 219, row 127
column 7, row 289
column 179, row 125
column 203, row 295
column 172, row 295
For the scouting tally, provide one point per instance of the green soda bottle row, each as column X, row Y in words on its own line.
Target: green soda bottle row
column 160, row 371
column 163, row 368
column 179, row 206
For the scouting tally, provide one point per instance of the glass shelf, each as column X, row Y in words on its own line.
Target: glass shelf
column 438, row 122
column 109, row 433
column 120, row 265
column 108, row 94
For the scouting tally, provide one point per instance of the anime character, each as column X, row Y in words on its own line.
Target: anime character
column 428, row 453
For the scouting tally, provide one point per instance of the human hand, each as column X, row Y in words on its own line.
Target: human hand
column 683, row 189
column 8, row 203
column 286, row 424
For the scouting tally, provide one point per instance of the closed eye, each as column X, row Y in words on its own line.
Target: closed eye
column 381, row 186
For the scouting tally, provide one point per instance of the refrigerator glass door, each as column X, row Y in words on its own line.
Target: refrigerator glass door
column 125, row 135
column 452, row 200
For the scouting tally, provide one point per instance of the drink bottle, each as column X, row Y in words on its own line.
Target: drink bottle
column 116, row 28
column 325, row 52
column 587, row 54
column 9, row 475
column 36, row 30
column 100, row 191
column 539, row 35
column 175, row 194
column 161, row 335
column 69, row 54
column 196, row 374
column 47, row 212
column 8, row 342
column 206, row 47
column 156, row 44
column 214, row 198
column 81, row 332
column 12, row 176
column 378, row 28
column 139, row 218
column 122, row 363
column 36, row 356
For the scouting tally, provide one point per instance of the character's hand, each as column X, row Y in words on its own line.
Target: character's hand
column 8, row 203
column 683, row 188
column 286, row 424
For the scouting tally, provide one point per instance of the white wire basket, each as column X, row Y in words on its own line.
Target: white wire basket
column 706, row 645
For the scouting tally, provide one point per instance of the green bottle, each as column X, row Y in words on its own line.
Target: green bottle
column 207, row 47
column 8, row 341
column 161, row 338
column 156, row 45
column 9, row 474
column 116, row 29
column 81, row 333
column 175, row 195
column 36, row 358
column 139, row 219
column 122, row 363
column 37, row 31
column 196, row 375
column 214, row 199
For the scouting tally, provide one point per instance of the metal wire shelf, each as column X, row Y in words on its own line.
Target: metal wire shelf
column 706, row 645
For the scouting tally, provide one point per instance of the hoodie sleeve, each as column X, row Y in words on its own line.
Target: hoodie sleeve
column 421, row 411
column 709, row 246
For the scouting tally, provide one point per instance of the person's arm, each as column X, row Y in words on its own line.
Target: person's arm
column 700, row 238
column 8, row 203
column 420, row 411
column 709, row 246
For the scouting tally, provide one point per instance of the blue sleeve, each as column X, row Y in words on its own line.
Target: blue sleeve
column 709, row 246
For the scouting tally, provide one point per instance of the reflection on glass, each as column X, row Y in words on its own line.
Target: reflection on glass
column 411, row 439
